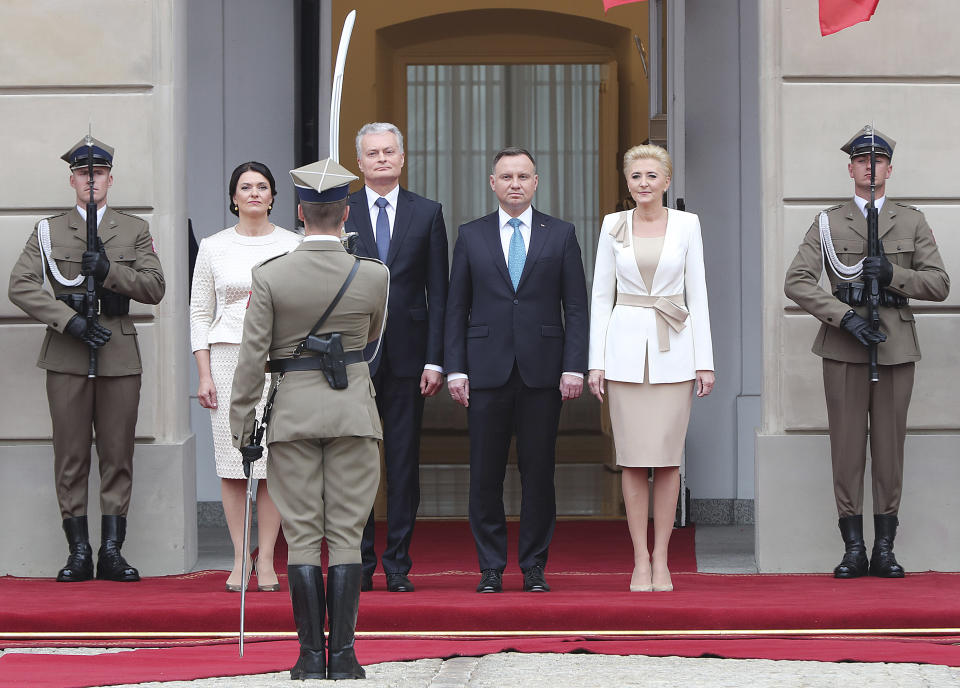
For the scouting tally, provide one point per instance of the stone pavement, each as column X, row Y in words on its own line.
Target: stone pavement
column 516, row 670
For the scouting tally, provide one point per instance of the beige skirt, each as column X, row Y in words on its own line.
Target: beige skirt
column 649, row 421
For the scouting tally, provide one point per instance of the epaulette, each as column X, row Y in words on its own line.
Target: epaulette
column 833, row 207
column 271, row 258
column 53, row 217
column 907, row 205
column 373, row 260
column 126, row 214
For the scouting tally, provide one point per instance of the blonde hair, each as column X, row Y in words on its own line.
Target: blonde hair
column 648, row 151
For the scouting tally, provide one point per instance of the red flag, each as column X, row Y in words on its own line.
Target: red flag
column 607, row 4
column 836, row 15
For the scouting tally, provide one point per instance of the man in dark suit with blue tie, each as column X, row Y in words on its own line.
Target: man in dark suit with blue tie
column 515, row 343
column 407, row 232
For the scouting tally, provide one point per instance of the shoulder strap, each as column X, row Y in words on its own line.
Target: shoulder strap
column 336, row 299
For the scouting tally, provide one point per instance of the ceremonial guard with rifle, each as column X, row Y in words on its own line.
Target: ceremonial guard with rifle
column 77, row 274
column 877, row 254
column 312, row 311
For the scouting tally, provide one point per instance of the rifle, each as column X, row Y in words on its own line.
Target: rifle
column 92, row 302
column 874, row 248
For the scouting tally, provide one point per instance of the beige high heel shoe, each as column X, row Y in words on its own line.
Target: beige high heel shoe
column 662, row 587
column 644, row 584
column 231, row 587
column 273, row 587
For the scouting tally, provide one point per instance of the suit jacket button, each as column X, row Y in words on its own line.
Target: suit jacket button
column 829, row 319
column 516, row 301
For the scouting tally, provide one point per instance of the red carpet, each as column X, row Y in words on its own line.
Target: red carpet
column 443, row 546
column 186, row 663
column 589, row 569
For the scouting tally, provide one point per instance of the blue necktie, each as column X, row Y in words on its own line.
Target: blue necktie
column 518, row 253
column 383, row 230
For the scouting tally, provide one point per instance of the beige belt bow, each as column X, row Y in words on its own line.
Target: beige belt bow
column 671, row 310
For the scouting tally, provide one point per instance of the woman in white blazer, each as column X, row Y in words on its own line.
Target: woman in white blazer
column 650, row 346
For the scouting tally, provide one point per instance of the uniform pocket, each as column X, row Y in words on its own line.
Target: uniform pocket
column 856, row 247
column 120, row 253
column 68, row 260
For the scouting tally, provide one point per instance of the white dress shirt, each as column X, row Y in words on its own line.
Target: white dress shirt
column 100, row 211
column 391, row 207
column 506, row 231
column 862, row 203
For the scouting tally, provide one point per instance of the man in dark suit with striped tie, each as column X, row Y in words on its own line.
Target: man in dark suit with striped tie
column 407, row 233
column 515, row 344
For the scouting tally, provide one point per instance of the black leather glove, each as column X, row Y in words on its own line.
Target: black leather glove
column 95, row 263
column 251, row 452
column 879, row 268
column 860, row 329
column 95, row 336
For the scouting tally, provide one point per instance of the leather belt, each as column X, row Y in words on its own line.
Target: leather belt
column 285, row 365
column 671, row 312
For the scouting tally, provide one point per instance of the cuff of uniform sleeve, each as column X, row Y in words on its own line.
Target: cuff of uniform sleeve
column 456, row 376
column 435, row 368
column 579, row 375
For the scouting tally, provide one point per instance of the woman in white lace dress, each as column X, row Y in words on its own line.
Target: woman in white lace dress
column 218, row 300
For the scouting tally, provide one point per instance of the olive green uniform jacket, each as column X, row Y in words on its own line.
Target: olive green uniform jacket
column 288, row 295
column 134, row 271
column 918, row 273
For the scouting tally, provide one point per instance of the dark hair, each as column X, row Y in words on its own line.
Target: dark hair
column 323, row 216
column 510, row 151
column 252, row 166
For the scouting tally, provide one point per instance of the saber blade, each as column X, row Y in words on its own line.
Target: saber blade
column 244, row 573
column 338, row 85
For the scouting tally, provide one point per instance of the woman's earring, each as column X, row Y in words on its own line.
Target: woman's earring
column 270, row 207
column 235, row 207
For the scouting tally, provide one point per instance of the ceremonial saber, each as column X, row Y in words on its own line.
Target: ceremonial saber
column 244, row 574
column 337, row 90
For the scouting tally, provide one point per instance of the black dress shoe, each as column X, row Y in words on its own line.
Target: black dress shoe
column 491, row 581
column 398, row 582
column 533, row 580
column 366, row 582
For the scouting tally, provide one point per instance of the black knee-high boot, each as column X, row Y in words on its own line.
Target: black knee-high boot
column 309, row 611
column 79, row 565
column 343, row 603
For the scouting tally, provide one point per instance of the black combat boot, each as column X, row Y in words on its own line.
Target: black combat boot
column 309, row 612
column 854, row 563
column 343, row 603
column 80, row 561
column 882, row 562
column 110, row 563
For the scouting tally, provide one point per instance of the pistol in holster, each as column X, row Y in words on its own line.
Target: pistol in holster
column 329, row 348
